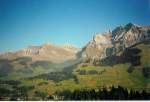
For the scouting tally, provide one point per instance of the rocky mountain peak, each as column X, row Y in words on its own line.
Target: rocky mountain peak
column 96, row 48
column 70, row 47
column 119, row 39
column 46, row 51
column 117, row 31
column 101, row 38
column 130, row 26
column 47, row 46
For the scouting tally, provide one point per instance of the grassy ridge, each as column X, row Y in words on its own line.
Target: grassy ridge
column 101, row 76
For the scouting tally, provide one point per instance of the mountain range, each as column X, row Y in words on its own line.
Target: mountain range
column 120, row 38
column 106, row 44
column 117, row 57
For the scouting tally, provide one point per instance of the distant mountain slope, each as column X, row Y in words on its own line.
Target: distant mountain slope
column 35, row 60
column 48, row 52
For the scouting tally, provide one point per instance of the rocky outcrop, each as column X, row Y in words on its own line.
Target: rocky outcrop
column 96, row 48
column 70, row 48
column 29, row 51
column 48, row 52
column 106, row 44
column 129, row 35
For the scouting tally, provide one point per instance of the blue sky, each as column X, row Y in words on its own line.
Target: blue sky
column 35, row 22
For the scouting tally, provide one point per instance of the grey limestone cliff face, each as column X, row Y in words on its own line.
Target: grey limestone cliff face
column 129, row 35
column 96, row 48
column 106, row 44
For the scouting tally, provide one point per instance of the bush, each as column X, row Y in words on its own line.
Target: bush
column 40, row 94
column 146, row 71
column 82, row 72
column 92, row 72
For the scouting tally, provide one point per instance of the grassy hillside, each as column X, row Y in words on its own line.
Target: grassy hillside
column 86, row 76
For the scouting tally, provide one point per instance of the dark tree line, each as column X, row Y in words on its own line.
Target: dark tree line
column 118, row 93
column 10, row 82
column 146, row 71
column 55, row 76
column 90, row 72
column 113, row 93
column 17, row 92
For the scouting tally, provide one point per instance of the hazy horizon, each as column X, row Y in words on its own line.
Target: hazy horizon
column 35, row 22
